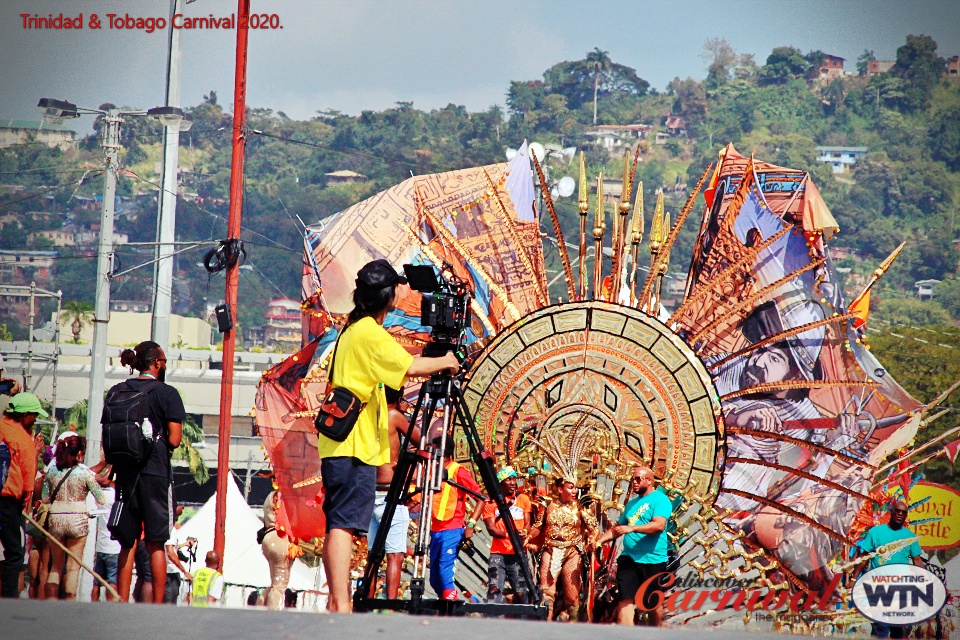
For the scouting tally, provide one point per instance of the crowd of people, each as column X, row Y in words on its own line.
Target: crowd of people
column 131, row 499
column 50, row 499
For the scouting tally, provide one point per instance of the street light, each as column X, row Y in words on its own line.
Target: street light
column 58, row 110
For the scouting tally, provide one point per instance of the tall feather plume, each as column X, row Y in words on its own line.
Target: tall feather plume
column 566, row 459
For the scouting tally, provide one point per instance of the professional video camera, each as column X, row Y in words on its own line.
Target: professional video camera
column 445, row 307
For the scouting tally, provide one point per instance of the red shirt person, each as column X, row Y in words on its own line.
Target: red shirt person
column 505, row 562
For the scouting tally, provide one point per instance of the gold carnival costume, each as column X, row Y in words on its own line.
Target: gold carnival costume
column 569, row 530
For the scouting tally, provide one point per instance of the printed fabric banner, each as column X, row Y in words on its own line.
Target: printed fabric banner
column 808, row 410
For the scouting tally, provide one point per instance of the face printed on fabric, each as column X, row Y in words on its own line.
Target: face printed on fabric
column 770, row 364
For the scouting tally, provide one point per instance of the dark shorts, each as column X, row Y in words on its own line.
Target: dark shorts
column 141, row 562
column 105, row 564
column 631, row 575
column 148, row 507
column 349, row 491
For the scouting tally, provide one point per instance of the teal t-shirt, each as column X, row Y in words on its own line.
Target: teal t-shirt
column 646, row 548
column 882, row 535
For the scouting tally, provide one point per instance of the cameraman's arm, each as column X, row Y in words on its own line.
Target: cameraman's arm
column 175, row 560
column 421, row 366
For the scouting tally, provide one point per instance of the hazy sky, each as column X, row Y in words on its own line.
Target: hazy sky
column 353, row 55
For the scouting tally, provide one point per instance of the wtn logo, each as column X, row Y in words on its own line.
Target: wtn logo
column 900, row 594
column 884, row 594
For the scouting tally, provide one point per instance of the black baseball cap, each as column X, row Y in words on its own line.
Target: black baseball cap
column 379, row 274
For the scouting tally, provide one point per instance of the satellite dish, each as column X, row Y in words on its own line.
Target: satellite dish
column 566, row 186
column 511, row 153
column 537, row 150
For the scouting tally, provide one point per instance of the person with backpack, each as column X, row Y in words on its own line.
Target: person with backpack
column 142, row 425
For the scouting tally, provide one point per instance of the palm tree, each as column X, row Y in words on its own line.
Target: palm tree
column 186, row 451
column 79, row 314
column 599, row 62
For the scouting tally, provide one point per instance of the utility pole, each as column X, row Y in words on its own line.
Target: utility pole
column 232, row 276
column 167, row 199
column 98, row 365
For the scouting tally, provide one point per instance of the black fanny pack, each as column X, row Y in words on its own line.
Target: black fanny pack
column 339, row 408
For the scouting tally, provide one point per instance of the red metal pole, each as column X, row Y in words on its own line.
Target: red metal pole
column 233, row 231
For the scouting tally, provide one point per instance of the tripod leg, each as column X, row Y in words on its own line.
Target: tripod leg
column 483, row 460
column 402, row 477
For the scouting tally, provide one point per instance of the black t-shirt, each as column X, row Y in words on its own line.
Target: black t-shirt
column 165, row 406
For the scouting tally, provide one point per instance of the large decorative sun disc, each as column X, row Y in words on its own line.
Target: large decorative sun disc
column 647, row 396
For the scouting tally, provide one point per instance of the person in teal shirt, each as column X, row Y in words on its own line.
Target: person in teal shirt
column 881, row 536
column 644, row 556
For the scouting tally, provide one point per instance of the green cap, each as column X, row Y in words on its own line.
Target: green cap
column 506, row 472
column 26, row 403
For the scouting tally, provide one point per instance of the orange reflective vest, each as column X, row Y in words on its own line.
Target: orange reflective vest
column 445, row 505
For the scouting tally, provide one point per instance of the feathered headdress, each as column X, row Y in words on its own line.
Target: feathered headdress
column 564, row 459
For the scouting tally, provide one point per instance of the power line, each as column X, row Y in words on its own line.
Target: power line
column 180, row 198
column 351, row 152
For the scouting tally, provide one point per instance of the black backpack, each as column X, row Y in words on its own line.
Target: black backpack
column 124, row 411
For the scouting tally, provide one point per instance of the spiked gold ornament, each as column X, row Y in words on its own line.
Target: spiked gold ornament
column 583, row 205
column 636, row 237
column 599, row 228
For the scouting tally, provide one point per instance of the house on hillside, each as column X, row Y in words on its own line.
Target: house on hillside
column 841, row 159
column 13, row 132
column 831, row 66
column 59, row 237
column 283, row 325
column 344, row 176
column 613, row 136
column 875, row 67
column 924, row 288
column 953, row 65
column 673, row 127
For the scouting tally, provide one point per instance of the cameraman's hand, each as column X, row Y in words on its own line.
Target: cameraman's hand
column 453, row 364
column 423, row 366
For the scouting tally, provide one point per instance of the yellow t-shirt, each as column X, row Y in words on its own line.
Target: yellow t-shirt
column 367, row 359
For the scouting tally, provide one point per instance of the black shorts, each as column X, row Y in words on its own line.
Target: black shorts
column 631, row 575
column 141, row 562
column 349, row 491
column 148, row 507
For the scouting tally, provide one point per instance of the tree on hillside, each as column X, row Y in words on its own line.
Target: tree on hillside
column 599, row 62
column 782, row 64
column 920, row 67
column 945, row 138
column 690, row 102
column 864, row 60
column 722, row 60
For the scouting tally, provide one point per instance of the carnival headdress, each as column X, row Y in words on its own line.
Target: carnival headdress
column 564, row 459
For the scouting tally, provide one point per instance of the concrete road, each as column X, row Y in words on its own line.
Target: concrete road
column 43, row 620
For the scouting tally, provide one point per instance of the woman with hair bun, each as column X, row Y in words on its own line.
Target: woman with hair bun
column 65, row 489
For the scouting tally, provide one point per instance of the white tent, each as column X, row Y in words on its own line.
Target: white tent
column 243, row 562
column 953, row 574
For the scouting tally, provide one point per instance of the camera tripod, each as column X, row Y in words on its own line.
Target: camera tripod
column 424, row 468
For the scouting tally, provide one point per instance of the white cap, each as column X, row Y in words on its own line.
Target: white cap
column 66, row 434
